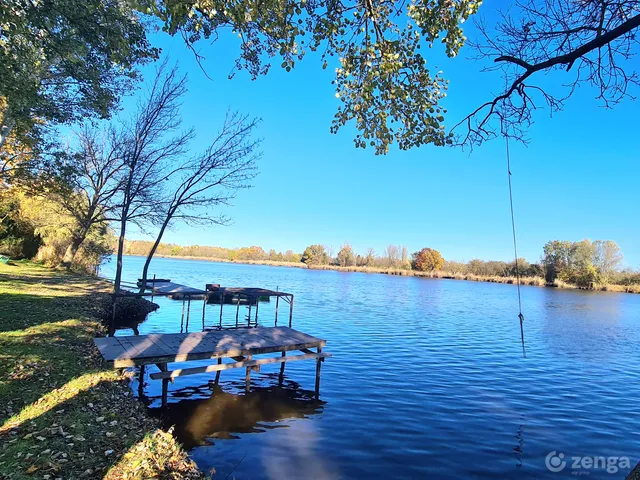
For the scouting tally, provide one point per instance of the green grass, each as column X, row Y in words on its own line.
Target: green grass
column 61, row 414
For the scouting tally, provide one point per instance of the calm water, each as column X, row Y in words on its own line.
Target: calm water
column 427, row 379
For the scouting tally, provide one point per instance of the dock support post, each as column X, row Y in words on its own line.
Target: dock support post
column 257, row 305
column 281, row 376
column 204, row 308
column 237, row 308
column 218, row 372
column 141, row 382
column 318, row 367
column 165, row 383
column 165, row 390
column 277, row 302
column 182, row 317
column 291, row 312
column 153, row 286
column 247, row 376
column 221, row 305
column 186, row 329
column 249, row 315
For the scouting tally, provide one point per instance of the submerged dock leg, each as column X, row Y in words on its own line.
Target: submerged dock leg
column 237, row 309
column 218, row 372
column 291, row 312
column 281, row 376
column 182, row 317
column 204, row 308
column 247, row 376
column 186, row 329
column 141, row 381
column 318, row 367
column 165, row 382
column 165, row 391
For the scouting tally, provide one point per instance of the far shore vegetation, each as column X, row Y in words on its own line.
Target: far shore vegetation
column 593, row 265
column 63, row 414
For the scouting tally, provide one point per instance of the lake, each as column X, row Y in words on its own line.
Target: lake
column 427, row 380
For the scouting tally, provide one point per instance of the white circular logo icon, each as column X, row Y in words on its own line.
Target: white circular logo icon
column 555, row 461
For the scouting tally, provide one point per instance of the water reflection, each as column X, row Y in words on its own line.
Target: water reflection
column 519, row 448
column 197, row 421
column 131, row 322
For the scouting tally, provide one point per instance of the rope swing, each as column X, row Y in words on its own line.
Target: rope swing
column 515, row 242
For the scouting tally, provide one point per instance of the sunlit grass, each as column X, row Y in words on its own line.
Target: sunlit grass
column 61, row 413
column 156, row 455
column 58, row 396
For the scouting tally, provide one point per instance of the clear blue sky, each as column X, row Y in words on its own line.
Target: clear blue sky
column 578, row 178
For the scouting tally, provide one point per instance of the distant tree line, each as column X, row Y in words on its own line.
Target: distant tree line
column 584, row 264
column 253, row 253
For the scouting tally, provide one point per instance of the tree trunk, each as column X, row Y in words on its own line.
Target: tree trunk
column 5, row 130
column 72, row 249
column 118, row 277
column 147, row 262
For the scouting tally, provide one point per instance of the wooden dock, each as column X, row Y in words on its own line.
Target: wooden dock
column 240, row 345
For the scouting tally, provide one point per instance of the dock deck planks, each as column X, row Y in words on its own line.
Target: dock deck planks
column 160, row 348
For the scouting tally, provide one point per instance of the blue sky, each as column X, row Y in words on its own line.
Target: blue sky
column 578, row 177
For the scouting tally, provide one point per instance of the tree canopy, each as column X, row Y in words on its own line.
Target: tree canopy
column 346, row 257
column 61, row 61
column 315, row 255
column 427, row 260
column 383, row 80
column 582, row 263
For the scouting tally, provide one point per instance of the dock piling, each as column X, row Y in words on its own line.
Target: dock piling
column 291, row 312
column 188, row 313
column 318, row 367
column 247, row 377
column 221, row 305
column 182, row 318
column 204, row 308
column 281, row 375
column 218, row 372
column 165, row 390
column 141, row 381
column 237, row 308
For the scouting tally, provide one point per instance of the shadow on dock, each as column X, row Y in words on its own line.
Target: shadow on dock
column 199, row 421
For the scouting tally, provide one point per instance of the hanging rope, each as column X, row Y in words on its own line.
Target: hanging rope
column 515, row 243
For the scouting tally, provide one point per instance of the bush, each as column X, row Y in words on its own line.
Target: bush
column 315, row 255
column 427, row 260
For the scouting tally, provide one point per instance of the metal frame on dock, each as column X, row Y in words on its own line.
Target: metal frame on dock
column 166, row 288
column 252, row 296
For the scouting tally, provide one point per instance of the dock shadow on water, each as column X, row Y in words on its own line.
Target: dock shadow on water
column 224, row 415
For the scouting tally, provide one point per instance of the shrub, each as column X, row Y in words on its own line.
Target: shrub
column 427, row 260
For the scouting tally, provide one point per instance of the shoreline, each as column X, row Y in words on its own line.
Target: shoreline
column 438, row 274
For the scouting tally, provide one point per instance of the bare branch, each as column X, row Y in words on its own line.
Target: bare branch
column 592, row 37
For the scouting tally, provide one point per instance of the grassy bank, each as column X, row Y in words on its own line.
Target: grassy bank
column 532, row 281
column 61, row 414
